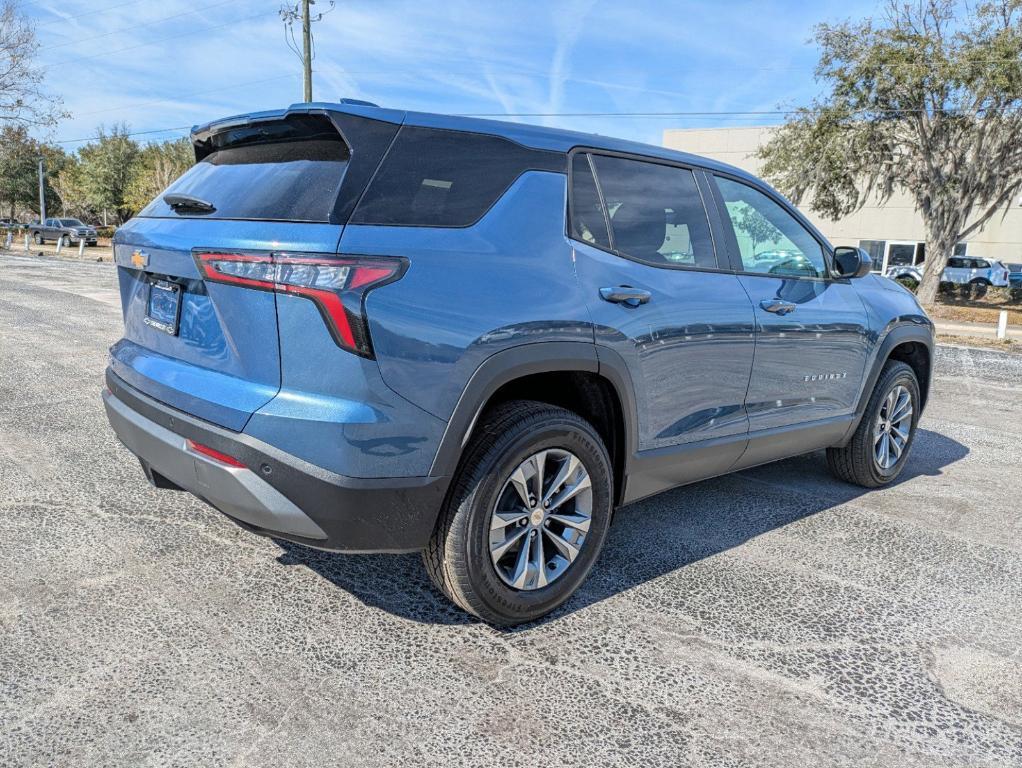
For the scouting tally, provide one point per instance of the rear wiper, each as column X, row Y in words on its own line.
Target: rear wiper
column 188, row 203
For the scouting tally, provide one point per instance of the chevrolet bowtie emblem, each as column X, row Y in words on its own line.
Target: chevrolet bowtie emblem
column 140, row 260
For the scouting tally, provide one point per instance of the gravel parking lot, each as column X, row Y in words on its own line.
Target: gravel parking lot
column 772, row 618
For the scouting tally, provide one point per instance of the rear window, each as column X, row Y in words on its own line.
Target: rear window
column 289, row 171
column 439, row 178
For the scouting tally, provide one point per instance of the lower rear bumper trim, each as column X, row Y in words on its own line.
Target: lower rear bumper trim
column 279, row 494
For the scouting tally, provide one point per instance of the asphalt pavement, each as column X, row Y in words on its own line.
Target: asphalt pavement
column 776, row 617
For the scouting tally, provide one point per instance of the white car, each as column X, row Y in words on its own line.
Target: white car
column 961, row 270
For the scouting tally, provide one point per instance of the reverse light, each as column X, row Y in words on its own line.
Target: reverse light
column 212, row 453
column 337, row 285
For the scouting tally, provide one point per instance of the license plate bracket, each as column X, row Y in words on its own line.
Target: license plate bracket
column 163, row 307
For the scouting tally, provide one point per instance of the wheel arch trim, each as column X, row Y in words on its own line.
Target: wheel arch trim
column 918, row 330
column 526, row 360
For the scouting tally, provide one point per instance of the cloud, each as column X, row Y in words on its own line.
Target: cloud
column 469, row 56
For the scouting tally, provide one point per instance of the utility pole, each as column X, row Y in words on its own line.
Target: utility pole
column 42, row 193
column 307, row 48
column 290, row 14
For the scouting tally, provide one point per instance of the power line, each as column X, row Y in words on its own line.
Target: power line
column 135, row 133
column 182, row 96
column 136, row 26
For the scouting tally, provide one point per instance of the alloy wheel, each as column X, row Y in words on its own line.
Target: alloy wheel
column 541, row 519
column 892, row 428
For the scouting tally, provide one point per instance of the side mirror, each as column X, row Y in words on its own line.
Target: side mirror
column 851, row 262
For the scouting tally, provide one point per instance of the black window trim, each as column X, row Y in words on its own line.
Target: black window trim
column 738, row 266
column 551, row 152
column 695, row 169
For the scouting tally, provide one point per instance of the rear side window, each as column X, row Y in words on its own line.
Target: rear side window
column 289, row 171
column 439, row 178
column 656, row 213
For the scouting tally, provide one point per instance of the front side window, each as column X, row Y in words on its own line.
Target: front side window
column 656, row 213
column 770, row 240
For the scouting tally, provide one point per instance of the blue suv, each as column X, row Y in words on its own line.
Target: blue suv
column 369, row 330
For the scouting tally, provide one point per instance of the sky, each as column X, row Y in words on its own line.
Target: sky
column 161, row 66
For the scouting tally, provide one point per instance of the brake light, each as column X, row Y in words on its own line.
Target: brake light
column 337, row 285
column 212, row 453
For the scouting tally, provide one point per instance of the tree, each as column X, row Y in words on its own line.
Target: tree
column 754, row 224
column 927, row 101
column 71, row 186
column 22, row 100
column 106, row 167
column 19, row 174
column 158, row 165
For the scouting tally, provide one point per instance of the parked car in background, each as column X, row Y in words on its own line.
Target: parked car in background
column 960, row 270
column 8, row 223
column 67, row 231
column 1015, row 275
column 474, row 340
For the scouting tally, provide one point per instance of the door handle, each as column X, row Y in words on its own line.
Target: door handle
column 625, row 294
column 778, row 306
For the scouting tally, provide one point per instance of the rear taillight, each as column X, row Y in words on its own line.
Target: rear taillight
column 336, row 284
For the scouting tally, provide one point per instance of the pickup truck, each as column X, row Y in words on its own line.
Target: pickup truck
column 67, row 231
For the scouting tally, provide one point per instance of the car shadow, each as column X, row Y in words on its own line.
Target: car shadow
column 688, row 524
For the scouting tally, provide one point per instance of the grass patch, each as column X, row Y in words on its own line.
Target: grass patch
column 1001, row 345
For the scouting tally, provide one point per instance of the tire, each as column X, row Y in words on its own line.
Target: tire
column 38, row 238
column 977, row 287
column 458, row 557
column 857, row 462
column 65, row 241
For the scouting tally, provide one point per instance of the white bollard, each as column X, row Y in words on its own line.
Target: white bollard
column 60, row 241
column 26, row 243
column 81, row 248
column 1002, row 324
column 10, row 241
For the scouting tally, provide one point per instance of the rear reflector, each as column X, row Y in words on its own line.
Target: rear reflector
column 336, row 284
column 205, row 450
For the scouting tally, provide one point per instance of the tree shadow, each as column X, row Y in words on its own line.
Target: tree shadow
column 686, row 525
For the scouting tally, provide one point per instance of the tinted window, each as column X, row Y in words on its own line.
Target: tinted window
column 980, row 264
column 770, row 239
column 289, row 171
column 588, row 223
column 436, row 178
column 71, row 223
column 901, row 255
column 656, row 213
column 956, row 263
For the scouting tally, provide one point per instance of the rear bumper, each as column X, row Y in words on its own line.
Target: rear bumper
column 275, row 494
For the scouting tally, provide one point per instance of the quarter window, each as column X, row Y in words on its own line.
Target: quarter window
column 438, row 178
column 770, row 240
column 656, row 213
column 588, row 223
